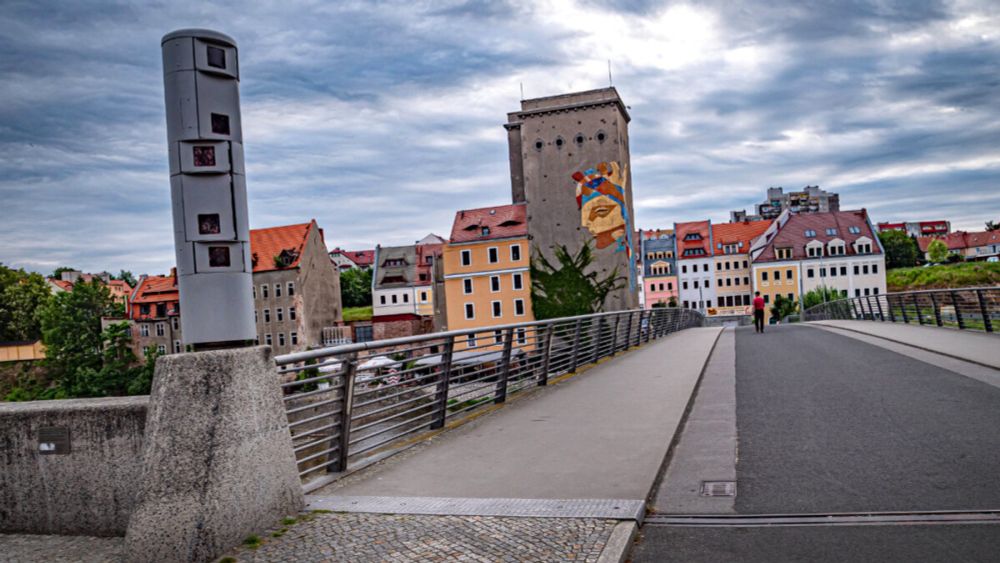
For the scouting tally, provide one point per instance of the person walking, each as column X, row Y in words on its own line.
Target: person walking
column 758, row 312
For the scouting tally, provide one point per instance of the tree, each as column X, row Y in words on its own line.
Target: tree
column 356, row 288
column 782, row 307
column 821, row 294
column 569, row 290
column 937, row 251
column 19, row 305
column 992, row 226
column 127, row 277
column 71, row 332
column 900, row 250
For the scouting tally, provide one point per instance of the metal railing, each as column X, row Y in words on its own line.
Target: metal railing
column 975, row 308
column 351, row 403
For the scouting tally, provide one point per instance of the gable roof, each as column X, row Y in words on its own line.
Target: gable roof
column 360, row 257
column 737, row 233
column 793, row 233
column 156, row 289
column 960, row 240
column 504, row 221
column 266, row 244
column 704, row 242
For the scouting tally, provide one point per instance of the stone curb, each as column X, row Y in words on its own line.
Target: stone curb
column 620, row 542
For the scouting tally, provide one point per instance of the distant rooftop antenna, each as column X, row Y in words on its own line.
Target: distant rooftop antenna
column 610, row 81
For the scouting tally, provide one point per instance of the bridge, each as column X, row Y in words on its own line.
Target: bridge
column 855, row 436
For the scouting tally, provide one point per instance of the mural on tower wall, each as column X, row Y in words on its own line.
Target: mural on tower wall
column 601, row 199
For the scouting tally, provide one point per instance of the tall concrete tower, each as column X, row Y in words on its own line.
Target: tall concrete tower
column 569, row 162
column 208, row 188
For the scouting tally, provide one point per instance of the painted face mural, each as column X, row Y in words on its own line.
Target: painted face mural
column 600, row 197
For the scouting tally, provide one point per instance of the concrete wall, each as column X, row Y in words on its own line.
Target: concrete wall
column 93, row 489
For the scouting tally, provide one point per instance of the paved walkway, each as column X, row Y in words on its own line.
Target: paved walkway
column 974, row 346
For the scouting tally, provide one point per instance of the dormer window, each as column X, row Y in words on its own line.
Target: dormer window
column 831, row 231
column 810, row 233
column 485, row 231
column 854, row 230
column 692, row 236
column 783, row 253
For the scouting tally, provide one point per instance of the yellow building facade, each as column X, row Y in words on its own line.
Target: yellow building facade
column 775, row 279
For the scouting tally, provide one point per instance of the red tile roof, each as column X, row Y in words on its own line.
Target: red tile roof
column 792, row 234
column 156, row 289
column 653, row 233
column 503, row 221
column 702, row 228
column 361, row 257
column 266, row 244
column 960, row 240
column 64, row 285
column 736, row 233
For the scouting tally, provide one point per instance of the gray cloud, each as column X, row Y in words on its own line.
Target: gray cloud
column 381, row 119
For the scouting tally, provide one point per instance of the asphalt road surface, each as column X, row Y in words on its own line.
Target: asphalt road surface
column 828, row 424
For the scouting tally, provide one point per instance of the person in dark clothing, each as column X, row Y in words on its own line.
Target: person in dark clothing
column 758, row 312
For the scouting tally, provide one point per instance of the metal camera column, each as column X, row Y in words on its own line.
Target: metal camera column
column 208, row 188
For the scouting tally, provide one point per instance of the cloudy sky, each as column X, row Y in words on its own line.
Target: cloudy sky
column 381, row 119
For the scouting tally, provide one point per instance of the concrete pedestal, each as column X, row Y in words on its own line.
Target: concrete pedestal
column 218, row 463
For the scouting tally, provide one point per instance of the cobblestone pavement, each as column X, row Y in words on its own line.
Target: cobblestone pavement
column 360, row 537
column 24, row 548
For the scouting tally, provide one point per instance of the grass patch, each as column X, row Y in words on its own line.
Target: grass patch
column 279, row 533
column 454, row 405
column 357, row 314
column 288, row 521
column 322, row 511
column 253, row 541
column 227, row 560
column 967, row 274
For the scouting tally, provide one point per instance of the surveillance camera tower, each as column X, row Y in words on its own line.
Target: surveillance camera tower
column 208, row 188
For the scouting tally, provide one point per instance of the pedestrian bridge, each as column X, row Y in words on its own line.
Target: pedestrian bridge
column 644, row 435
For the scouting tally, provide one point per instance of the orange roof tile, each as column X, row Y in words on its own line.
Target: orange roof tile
column 735, row 233
column 156, row 289
column 266, row 244
column 501, row 221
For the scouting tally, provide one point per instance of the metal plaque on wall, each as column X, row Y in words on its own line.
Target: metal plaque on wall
column 53, row 440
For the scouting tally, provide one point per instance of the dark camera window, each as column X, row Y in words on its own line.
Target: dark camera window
column 216, row 57
column 218, row 256
column 208, row 224
column 204, row 156
column 220, row 124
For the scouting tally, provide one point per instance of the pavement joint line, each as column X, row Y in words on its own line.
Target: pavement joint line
column 632, row 510
column 833, row 519
column 834, row 328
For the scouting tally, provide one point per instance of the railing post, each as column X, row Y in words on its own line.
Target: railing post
column 878, row 302
column 443, row 383
column 902, row 307
column 597, row 340
column 628, row 332
column 649, row 326
column 958, row 310
column 500, row 395
column 937, row 310
column 543, row 379
column 888, row 303
column 854, row 308
column 346, row 410
column 614, row 336
column 916, row 307
column 576, row 345
column 987, row 321
column 871, row 310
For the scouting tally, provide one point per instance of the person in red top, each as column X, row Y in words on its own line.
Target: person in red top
column 758, row 312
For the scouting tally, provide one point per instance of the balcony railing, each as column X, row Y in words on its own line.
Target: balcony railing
column 976, row 308
column 350, row 405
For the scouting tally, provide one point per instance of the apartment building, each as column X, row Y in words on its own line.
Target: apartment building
column 486, row 274
column 154, row 316
column 733, row 276
column 801, row 252
column 403, row 288
column 918, row 228
column 695, row 265
column 296, row 289
column 810, row 199
column 658, row 260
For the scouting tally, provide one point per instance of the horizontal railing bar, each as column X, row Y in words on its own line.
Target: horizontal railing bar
column 314, row 418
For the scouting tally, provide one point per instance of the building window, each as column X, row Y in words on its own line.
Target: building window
column 857, row 293
column 277, row 290
column 395, row 298
column 267, row 315
column 381, row 299
column 857, row 270
column 267, row 339
column 684, row 269
column 788, row 274
column 255, row 316
column 161, row 349
column 281, row 339
column 704, row 267
column 497, row 336
column 763, row 275
column 684, row 284
column 253, row 288
column 864, row 269
column 423, row 297
column 143, row 309
column 867, row 291
column 177, row 346
column 485, row 231
column 144, row 330
column 874, row 291
column 874, row 268
column 175, row 323
column 494, row 284
column 291, row 289
column 810, row 273
column 291, row 313
column 497, row 310
column 467, row 286
column 494, row 254
column 160, row 329
column 294, row 336
column 279, row 314
column 515, row 252
column 810, row 233
column 263, row 291
column 466, row 257
column 470, row 311
column 696, row 284
column 519, row 307
column 517, row 281
column 652, row 287
column 522, row 336
column 406, row 298
column 670, row 286
column 687, row 305
column 783, row 253
column 833, row 272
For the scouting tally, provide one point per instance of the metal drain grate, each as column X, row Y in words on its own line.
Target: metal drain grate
column 718, row 488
